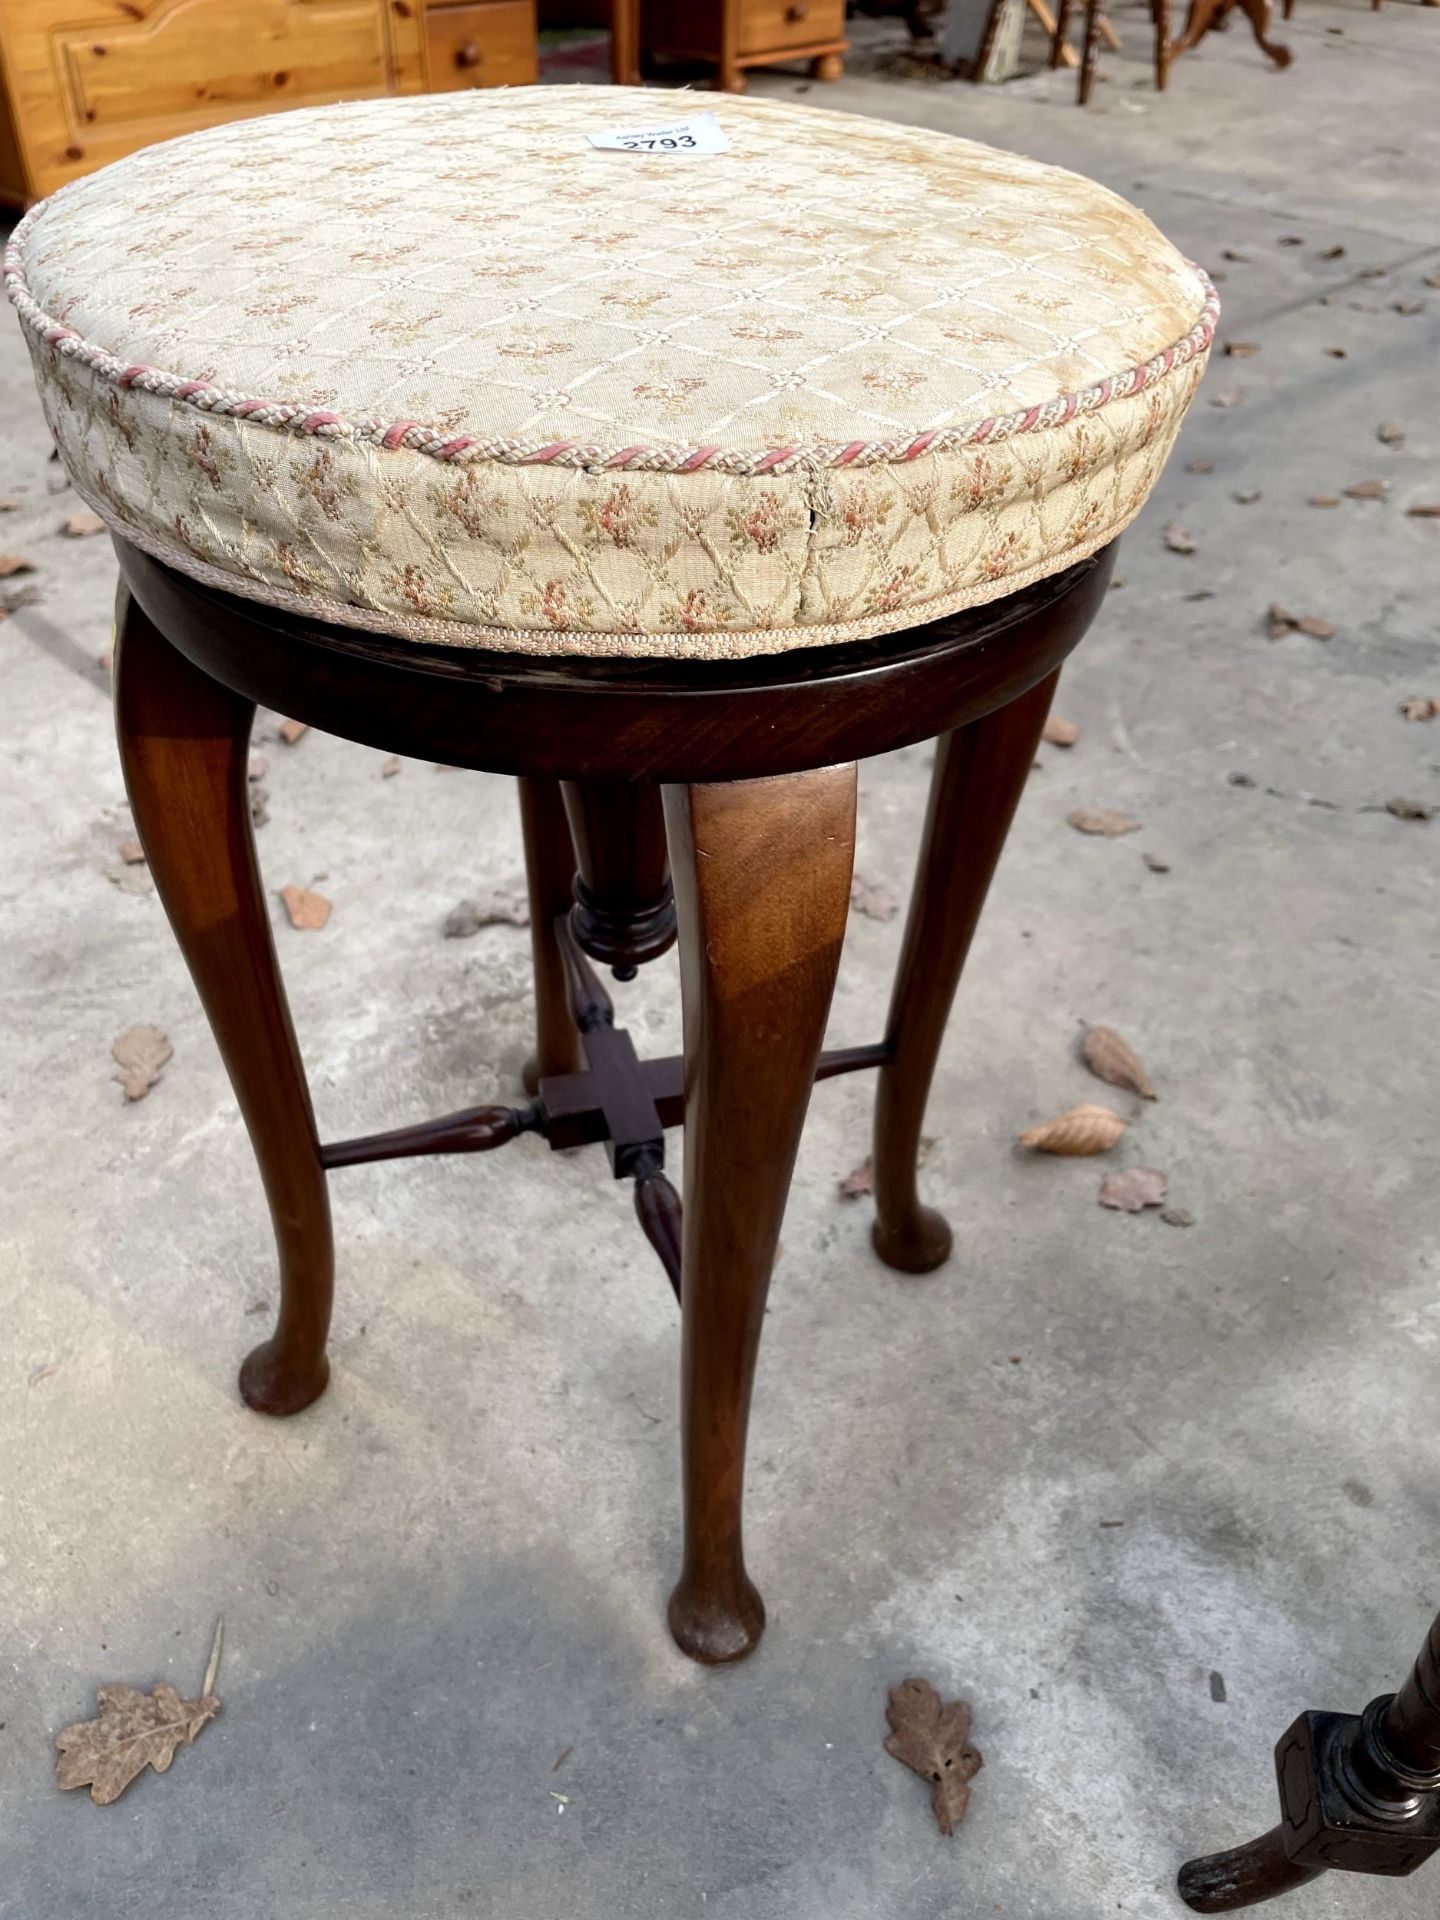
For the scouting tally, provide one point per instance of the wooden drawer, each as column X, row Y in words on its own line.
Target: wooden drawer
column 488, row 44
column 769, row 26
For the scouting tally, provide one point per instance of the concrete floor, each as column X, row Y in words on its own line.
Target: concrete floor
column 452, row 1571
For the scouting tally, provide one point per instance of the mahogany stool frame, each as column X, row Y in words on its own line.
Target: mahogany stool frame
column 738, row 775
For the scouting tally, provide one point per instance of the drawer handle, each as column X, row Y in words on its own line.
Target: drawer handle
column 798, row 12
column 468, row 55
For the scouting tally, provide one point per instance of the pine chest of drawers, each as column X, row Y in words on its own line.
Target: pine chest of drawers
column 84, row 81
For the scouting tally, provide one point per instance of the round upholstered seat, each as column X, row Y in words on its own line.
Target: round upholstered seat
column 440, row 368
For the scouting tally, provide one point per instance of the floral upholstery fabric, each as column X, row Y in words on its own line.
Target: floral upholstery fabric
column 440, row 368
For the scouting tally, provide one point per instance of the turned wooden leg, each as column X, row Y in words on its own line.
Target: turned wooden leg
column 184, row 744
column 1359, row 1793
column 1160, row 10
column 624, row 912
column 1090, row 50
column 827, row 66
column 762, row 881
column 1258, row 13
column 1059, row 40
column 980, row 773
column 550, row 878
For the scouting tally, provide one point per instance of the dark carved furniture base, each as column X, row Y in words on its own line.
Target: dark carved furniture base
column 1359, row 1793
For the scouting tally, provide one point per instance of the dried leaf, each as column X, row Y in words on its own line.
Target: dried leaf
column 1279, row 622
column 1133, row 1189
column 873, row 898
column 1390, row 434
column 293, row 730
column 79, row 526
column 1425, row 510
column 1177, row 539
column 1241, row 349
column 859, row 1180
column 488, row 910
column 1246, row 496
column 307, row 910
column 1178, row 1217
column 1336, row 353
column 18, row 597
column 1102, row 820
column 9, row 506
column 132, row 853
column 391, row 767
column 1156, row 864
column 13, row 563
column 1333, row 253
column 1116, row 1061
column 1083, row 1130
column 1409, row 809
column 1408, row 306
column 141, row 1054
column 1060, row 733
column 933, row 1740
column 134, row 1730
column 1368, row 490
column 1324, row 500
column 1419, row 709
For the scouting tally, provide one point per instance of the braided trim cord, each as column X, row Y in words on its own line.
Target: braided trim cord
column 466, row 449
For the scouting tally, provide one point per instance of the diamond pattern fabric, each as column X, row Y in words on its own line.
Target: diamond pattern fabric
column 439, row 368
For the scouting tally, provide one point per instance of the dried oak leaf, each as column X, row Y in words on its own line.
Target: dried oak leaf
column 1368, row 490
column 873, row 898
column 488, row 910
column 1390, row 433
column 13, row 563
column 1060, row 733
column 135, row 1730
column 1116, row 1061
column 1178, row 539
column 1324, row 500
column 1420, row 709
column 1102, row 820
column 79, row 526
column 1178, row 1217
column 1083, row 1130
column 293, row 730
column 1425, row 510
column 391, row 767
column 1132, row 1189
column 132, row 853
column 1404, row 809
column 141, row 1054
column 933, row 1740
column 859, row 1180
column 307, row 910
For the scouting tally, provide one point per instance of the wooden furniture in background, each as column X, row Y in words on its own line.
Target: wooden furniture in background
column 1202, row 16
column 84, row 81
column 736, row 34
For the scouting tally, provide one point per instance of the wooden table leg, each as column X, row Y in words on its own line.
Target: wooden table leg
column 1090, row 50
column 184, row 746
column 550, row 879
column 980, row 773
column 625, row 42
column 762, row 882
